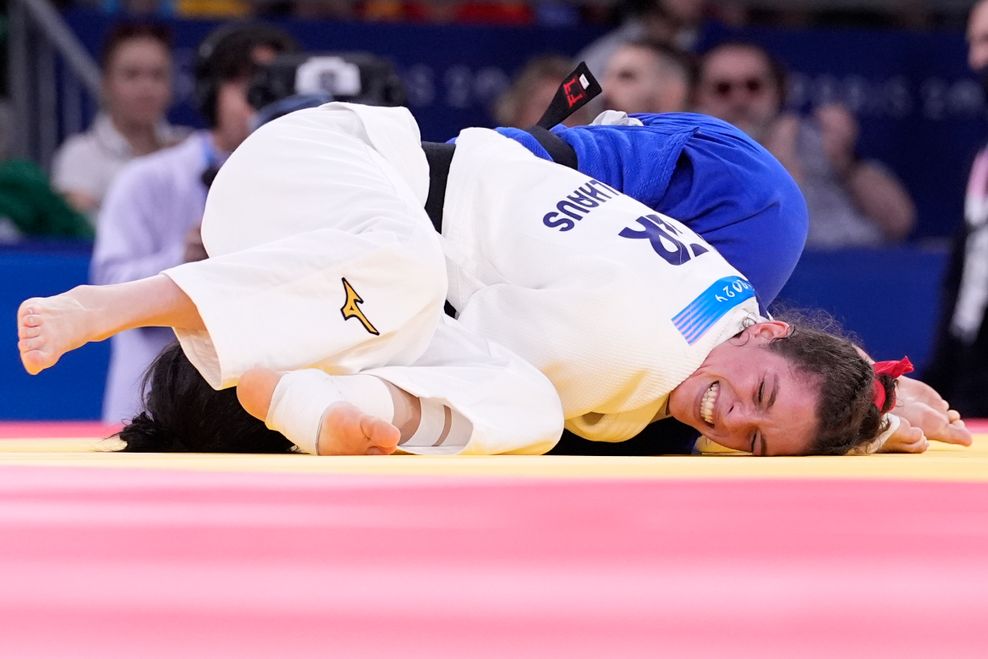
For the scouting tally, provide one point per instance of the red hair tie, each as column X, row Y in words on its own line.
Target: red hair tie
column 894, row 368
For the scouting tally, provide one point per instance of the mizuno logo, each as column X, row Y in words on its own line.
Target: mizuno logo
column 351, row 308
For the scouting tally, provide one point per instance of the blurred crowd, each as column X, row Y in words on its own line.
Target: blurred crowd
column 893, row 13
column 139, row 183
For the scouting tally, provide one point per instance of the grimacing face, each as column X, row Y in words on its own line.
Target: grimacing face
column 748, row 398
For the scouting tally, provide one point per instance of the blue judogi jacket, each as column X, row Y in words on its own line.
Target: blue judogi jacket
column 707, row 174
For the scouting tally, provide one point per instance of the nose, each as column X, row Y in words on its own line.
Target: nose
column 740, row 418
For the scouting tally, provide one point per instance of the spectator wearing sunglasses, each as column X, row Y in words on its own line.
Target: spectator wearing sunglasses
column 851, row 201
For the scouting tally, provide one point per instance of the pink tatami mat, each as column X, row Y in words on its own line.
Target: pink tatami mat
column 156, row 563
column 49, row 429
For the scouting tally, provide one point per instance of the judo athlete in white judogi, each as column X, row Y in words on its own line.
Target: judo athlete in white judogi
column 575, row 303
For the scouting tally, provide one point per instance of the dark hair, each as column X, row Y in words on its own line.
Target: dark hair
column 183, row 413
column 120, row 33
column 846, row 413
column 227, row 54
column 776, row 68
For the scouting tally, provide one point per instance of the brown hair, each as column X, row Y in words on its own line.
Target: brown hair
column 846, row 413
column 128, row 31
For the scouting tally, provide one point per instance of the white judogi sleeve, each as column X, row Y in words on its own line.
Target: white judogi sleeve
column 615, row 303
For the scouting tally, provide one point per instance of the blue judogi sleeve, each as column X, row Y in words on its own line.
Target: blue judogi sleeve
column 708, row 175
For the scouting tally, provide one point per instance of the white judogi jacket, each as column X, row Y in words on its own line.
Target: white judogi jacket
column 554, row 275
column 616, row 304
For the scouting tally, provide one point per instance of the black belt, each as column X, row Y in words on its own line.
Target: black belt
column 440, row 156
column 576, row 90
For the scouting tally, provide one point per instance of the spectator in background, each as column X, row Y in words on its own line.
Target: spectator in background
column 150, row 220
column 136, row 91
column 673, row 22
column 959, row 369
column 647, row 76
column 523, row 103
column 851, row 202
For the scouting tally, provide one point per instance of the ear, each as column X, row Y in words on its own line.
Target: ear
column 769, row 330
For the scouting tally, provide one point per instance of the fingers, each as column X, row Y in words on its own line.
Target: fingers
column 954, row 433
column 906, row 439
column 918, row 445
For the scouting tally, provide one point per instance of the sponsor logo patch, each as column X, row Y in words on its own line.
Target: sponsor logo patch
column 351, row 308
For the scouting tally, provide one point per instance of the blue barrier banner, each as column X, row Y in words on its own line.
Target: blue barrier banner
column 73, row 388
column 888, row 298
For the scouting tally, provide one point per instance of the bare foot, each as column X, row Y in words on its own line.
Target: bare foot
column 49, row 327
column 346, row 430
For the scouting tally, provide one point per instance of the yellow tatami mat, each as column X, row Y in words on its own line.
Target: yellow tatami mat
column 941, row 462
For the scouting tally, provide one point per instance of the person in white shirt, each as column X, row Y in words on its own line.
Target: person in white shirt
column 136, row 92
column 322, row 301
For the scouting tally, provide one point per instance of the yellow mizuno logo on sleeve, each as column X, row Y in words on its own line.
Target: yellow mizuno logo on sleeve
column 351, row 308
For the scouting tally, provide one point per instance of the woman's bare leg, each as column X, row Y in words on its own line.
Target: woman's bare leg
column 345, row 429
column 49, row 327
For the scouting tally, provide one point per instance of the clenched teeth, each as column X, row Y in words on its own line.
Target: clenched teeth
column 708, row 401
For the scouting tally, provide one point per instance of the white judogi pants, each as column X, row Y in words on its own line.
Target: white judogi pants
column 321, row 256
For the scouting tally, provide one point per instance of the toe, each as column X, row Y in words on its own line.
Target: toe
column 25, row 332
column 382, row 437
column 34, row 361
column 31, row 343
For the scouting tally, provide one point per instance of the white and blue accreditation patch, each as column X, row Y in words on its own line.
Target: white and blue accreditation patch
column 710, row 306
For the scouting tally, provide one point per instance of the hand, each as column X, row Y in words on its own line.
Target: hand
column 920, row 405
column 906, row 439
column 839, row 134
column 782, row 140
column 194, row 249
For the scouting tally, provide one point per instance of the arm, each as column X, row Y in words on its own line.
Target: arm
column 874, row 190
column 781, row 140
column 880, row 196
